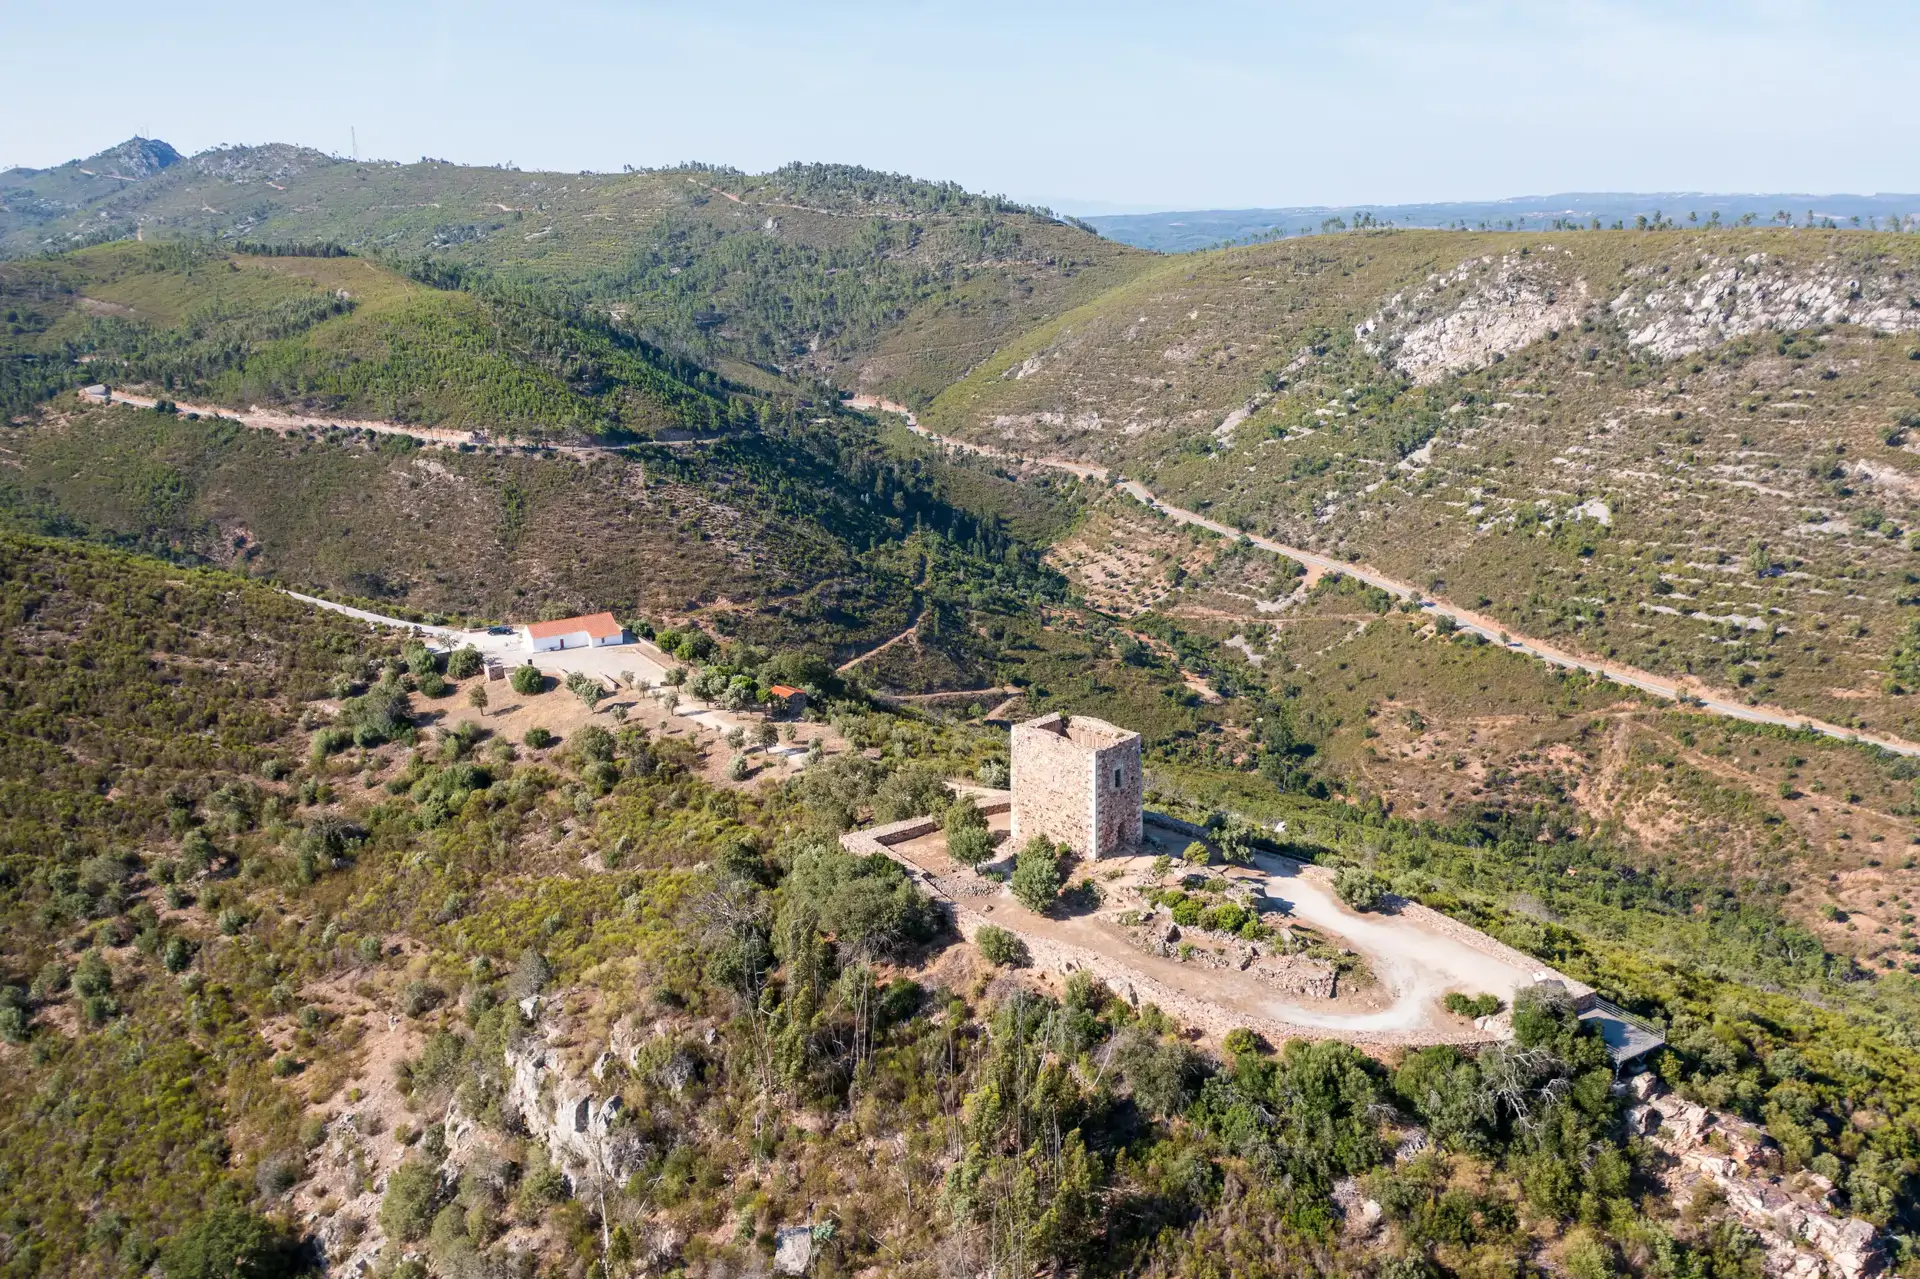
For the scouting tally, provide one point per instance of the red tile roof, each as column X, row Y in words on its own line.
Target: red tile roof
column 597, row 625
column 783, row 690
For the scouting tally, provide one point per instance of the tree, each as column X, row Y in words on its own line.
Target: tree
column 1196, row 854
column 594, row 742
column 1037, row 875
column 587, row 688
column 464, row 663
column 230, row 1243
column 765, row 734
column 738, row 768
column 670, row 700
column 527, row 680
column 968, row 840
column 477, row 698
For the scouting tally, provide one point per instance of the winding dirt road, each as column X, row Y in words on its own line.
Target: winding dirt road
column 1701, row 697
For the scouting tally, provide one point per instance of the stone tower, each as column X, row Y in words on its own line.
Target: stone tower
column 1076, row 780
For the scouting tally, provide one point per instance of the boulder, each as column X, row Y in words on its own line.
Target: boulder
column 792, row 1250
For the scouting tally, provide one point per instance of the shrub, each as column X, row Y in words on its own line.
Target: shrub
column 1471, row 1005
column 413, row 1193
column 538, row 738
column 432, row 685
column 738, row 768
column 594, row 742
column 14, row 1024
column 1227, row 917
column 970, row 845
column 1359, row 888
column 527, row 680
column 1241, row 1041
column 1000, row 947
column 92, row 977
column 421, row 660
column 993, row 773
column 464, row 663
column 230, row 1243
column 331, row 740
column 1037, row 875
column 420, row 997
column 1196, row 854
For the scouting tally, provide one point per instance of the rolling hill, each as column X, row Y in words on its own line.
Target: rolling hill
column 1685, row 449
column 868, row 280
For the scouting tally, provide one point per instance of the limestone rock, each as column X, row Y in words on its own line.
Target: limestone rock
column 793, row 1250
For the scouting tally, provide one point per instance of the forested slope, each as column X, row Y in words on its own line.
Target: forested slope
column 867, row 279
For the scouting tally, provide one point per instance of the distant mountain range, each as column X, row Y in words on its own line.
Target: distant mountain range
column 1184, row 232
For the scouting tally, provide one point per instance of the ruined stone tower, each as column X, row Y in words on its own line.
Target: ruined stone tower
column 1076, row 779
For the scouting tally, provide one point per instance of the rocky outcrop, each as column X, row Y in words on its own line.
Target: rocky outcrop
column 1473, row 315
column 1676, row 313
column 1794, row 1216
column 577, row 1120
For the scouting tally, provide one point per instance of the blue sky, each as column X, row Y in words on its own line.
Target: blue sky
column 1090, row 107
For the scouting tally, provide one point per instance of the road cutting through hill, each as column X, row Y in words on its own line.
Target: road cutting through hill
column 1700, row 697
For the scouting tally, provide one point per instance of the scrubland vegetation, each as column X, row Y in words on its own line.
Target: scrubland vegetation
column 275, row 917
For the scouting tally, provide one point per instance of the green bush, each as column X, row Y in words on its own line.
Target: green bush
column 1037, row 875
column 231, row 1243
column 527, row 680
column 1241, row 1041
column 421, row 660
column 1000, row 947
column 1361, row 889
column 413, row 1196
column 1472, row 1005
column 331, row 740
column 593, row 742
column 433, row 685
column 1196, row 854
column 970, row 845
column 464, row 663
column 538, row 738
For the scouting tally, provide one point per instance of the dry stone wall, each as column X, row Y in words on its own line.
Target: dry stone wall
column 1077, row 780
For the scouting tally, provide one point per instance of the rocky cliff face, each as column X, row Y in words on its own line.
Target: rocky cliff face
column 1677, row 313
column 575, row 1117
column 1794, row 1215
column 1479, row 312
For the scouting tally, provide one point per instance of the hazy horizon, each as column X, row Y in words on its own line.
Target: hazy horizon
column 1227, row 104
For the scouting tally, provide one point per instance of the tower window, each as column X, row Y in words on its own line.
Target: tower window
column 1116, row 779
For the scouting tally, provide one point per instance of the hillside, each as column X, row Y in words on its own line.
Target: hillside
column 868, row 280
column 1687, row 450
column 342, row 337
column 262, row 988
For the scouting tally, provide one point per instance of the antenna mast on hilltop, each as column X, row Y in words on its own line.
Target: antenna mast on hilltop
column 354, row 134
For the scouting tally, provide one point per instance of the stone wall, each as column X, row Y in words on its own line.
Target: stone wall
column 1078, row 781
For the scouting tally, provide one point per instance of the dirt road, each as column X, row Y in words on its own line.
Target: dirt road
column 1717, row 701
column 296, row 423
